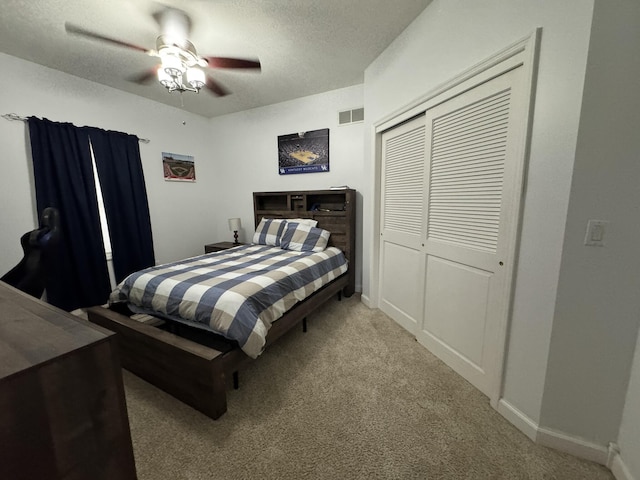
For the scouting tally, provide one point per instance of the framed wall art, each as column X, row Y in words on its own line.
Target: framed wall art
column 303, row 152
column 178, row 168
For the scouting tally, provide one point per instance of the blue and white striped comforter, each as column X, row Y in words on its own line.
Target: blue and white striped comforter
column 237, row 293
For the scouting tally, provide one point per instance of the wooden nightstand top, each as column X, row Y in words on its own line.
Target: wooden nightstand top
column 216, row 247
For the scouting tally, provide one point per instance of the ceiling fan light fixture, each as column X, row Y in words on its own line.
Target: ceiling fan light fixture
column 173, row 65
column 195, row 77
column 181, row 69
column 166, row 80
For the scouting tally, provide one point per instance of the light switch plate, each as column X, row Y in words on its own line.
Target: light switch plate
column 595, row 233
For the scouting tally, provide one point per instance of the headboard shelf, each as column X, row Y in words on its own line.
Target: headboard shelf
column 334, row 210
column 269, row 203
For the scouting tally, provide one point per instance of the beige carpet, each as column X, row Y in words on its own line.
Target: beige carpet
column 354, row 398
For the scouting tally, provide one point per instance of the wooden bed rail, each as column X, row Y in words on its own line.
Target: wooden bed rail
column 187, row 370
column 196, row 374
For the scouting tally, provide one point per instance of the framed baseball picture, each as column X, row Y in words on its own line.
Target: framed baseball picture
column 178, row 168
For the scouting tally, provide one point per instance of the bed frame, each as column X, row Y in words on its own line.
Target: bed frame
column 198, row 370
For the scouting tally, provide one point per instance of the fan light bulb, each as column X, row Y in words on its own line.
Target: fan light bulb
column 196, row 78
column 165, row 79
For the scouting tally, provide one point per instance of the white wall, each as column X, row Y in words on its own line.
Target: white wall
column 179, row 212
column 245, row 149
column 234, row 155
column 598, row 304
column 449, row 37
column 629, row 437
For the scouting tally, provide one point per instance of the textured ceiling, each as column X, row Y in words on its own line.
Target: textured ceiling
column 304, row 46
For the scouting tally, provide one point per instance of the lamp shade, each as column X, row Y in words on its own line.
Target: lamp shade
column 173, row 65
column 195, row 77
column 234, row 224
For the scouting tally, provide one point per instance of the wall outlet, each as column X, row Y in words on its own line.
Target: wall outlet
column 595, row 233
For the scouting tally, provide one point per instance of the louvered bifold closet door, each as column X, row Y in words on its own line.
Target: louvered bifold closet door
column 467, row 168
column 403, row 223
column 470, row 155
column 403, row 194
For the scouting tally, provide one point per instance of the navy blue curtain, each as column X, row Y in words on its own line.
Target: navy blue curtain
column 63, row 175
column 119, row 167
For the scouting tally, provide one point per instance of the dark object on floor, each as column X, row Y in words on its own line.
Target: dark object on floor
column 39, row 247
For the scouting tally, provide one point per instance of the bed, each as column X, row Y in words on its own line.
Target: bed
column 182, row 356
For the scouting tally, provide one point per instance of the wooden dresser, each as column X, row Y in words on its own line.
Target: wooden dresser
column 62, row 407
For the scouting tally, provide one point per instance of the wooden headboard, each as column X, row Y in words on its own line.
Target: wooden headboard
column 334, row 210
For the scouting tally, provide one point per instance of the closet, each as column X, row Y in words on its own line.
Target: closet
column 451, row 187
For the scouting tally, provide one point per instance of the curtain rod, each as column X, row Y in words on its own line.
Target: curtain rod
column 13, row 116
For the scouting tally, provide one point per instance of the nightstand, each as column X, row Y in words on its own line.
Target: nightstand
column 217, row 247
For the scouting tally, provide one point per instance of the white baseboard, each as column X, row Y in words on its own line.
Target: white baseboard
column 366, row 300
column 560, row 441
column 518, row 419
column 617, row 465
column 573, row 445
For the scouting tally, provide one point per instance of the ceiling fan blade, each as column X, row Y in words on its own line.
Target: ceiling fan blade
column 76, row 30
column 145, row 77
column 224, row 62
column 215, row 87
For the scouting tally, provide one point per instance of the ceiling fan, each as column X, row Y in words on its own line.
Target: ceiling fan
column 181, row 67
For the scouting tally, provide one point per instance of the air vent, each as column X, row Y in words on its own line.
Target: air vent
column 351, row 116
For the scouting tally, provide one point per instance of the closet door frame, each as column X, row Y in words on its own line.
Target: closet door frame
column 522, row 54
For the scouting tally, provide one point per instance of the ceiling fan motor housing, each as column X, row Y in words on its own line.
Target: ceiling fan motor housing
column 187, row 54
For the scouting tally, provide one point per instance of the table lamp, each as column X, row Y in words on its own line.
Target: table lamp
column 234, row 226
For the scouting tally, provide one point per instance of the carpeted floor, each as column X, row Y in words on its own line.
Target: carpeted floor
column 353, row 398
